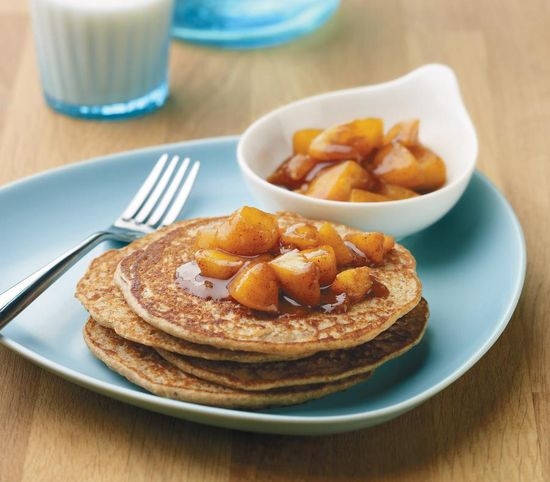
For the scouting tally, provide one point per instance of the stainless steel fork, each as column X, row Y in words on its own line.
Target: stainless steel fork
column 157, row 203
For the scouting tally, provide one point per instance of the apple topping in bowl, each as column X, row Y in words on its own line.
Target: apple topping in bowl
column 357, row 162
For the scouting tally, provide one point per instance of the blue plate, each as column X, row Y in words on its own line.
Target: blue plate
column 472, row 265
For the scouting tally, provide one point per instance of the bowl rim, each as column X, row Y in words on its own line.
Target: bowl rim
column 460, row 181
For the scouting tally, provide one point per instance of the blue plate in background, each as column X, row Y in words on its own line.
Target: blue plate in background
column 472, row 265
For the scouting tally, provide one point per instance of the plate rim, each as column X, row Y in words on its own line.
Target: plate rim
column 286, row 423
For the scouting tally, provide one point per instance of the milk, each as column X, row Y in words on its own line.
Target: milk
column 98, row 53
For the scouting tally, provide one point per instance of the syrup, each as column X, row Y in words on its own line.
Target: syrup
column 189, row 278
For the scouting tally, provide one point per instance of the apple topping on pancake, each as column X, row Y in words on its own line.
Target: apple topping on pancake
column 239, row 283
column 284, row 269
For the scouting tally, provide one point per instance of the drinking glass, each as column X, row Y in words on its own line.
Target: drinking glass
column 103, row 59
column 248, row 23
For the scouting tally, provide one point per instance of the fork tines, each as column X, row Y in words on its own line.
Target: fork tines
column 163, row 194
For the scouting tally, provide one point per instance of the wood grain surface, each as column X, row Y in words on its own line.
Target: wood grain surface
column 491, row 425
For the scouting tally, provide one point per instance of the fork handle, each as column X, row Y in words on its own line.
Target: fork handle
column 21, row 295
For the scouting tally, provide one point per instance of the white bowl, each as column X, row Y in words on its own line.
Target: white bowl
column 429, row 93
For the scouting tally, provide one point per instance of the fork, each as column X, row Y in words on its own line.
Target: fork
column 157, row 203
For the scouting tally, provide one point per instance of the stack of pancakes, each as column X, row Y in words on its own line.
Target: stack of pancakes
column 144, row 326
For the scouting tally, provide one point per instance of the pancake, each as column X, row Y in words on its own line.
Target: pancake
column 104, row 302
column 322, row 367
column 96, row 290
column 145, row 367
column 148, row 283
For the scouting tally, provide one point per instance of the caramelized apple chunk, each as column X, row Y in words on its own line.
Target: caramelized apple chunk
column 355, row 282
column 434, row 172
column 298, row 277
column 214, row 263
column 336, row 182
column 302, row 138
column 292, row 173
column 206, row 239
column 406, row 133
column 395, row 164
column 256, row 287
column 300, row 235
column 325, row 259
column 361, row 196
column 370, row 244
column 392, row 191
column 248, row 231
column 352, row 140
column 299, row 166
column 329, row 235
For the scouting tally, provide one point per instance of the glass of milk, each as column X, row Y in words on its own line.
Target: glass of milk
column 103, row 59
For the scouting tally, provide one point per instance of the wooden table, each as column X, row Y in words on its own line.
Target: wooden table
column 492, row 424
